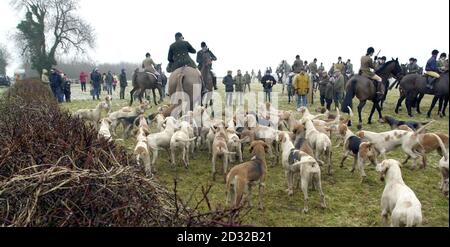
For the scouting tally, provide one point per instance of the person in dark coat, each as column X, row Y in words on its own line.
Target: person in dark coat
column 229, row 88
column 123, row 83
column 109, row 79
column 268, row 81
column 56, row 85
column 96, row 79
column 179, row 54
column 323, row 88
column 66, row 88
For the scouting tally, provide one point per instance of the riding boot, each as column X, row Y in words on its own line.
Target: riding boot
column 380, row 92
column 204, row 88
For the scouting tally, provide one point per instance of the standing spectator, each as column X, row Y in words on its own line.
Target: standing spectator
column 248, row 81
column 115, row 81
column 123, row 84
column 289, row 87
column 328, row 93
column 301, row 87
column 66, row 88
column 104, row 82
column 323, row 88
column 229, row 88
column 268, row 81
column 109, row 81
column 96, row 79
column 259, row 77
column 55, row 84
column 239, row 87
column 338, row 88
column 83, row 80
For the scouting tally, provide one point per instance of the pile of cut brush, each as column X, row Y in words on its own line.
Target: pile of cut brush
column 54, row 171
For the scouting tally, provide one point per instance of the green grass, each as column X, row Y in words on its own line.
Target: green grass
column 350, row 203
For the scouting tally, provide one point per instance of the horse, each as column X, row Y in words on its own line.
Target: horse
column 414, row 87
column 364, row 89
column 143, row 81
column 188, row 80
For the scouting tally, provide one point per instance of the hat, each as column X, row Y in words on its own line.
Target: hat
column 203, row 44
column 147, row 54
column 178, row 35
column 370, row 50
column 383, row 58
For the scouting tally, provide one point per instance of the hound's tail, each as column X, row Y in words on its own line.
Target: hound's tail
column 350, row 93
column 186, row 140
column 442, row 145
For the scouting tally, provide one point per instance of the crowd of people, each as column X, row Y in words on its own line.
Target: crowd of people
column 301, row 79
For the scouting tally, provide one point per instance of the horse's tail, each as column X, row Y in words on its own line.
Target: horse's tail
column 179, row 87
column 350, row 93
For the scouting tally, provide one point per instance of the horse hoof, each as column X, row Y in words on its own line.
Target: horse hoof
column 370, row 122
column 359, row 126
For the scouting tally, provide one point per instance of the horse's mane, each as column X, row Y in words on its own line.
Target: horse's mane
column 383, row 67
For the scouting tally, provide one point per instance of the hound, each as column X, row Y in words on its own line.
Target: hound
column 387, row 141
column 180, row 140
column 298, row 162
column 320, row 143
column 361, row 151
column 141, row 151
column 243, row 177
column 443, row 166
column 104, row 129
column 398, row 200
column 92, row 115
column 161, row 140
column 394, row 123
column 220, row 149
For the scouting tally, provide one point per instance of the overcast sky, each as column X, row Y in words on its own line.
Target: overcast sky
column 256, row 34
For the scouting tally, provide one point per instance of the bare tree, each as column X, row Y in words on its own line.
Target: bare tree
column 4, row 59
column 51, row 27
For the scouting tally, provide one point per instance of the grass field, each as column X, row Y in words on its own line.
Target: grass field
column 350, row 203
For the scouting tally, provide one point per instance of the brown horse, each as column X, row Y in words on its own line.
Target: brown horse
column 364, row 89
column 185, row 84
column 143, row 81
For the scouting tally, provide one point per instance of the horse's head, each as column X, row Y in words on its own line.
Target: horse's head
column 391, row 68
column 397, row 70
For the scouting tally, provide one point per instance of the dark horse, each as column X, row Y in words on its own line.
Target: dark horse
column 364, row 89
column 143, row 81
column 413, row 87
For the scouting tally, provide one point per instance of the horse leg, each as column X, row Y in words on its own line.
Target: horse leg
column 379, row 110
column 372, row 112
column 433, row 103
column 360, row 108
column 132, row 96
column 154, row 96
column 419, row 99
column 409, row 104
column 444, row 110
column 399, row 103
column 161, row 97
column 141, row 94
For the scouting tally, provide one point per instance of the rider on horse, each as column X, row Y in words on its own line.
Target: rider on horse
column 432, row 69
column 205, row 57
column 149, row 66
column 179, row 54
column 366, row 65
